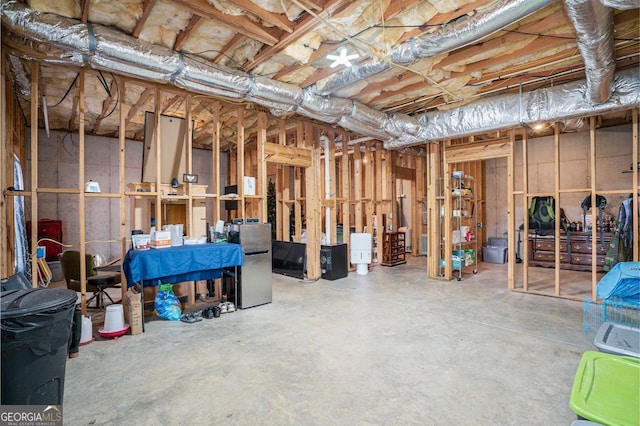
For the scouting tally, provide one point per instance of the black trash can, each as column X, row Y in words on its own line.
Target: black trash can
column 36, row 326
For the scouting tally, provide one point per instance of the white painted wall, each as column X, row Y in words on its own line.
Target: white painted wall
column 613, row 155
column 58, row 162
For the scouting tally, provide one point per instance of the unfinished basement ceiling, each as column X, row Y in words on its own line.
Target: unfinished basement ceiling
column 277, row 45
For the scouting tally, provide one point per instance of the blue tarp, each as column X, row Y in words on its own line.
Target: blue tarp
column 177, row 264
column 622, row 282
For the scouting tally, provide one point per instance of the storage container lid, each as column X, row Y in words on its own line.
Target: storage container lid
column 17, row 303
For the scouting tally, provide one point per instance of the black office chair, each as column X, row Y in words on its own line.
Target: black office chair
column 97, row 280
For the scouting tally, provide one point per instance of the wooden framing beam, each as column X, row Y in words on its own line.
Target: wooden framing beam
column 306, row 25
column 276, row 153
column 239, row 24
column 215, row 158
column 146, row 11
column 35, row 99
column 107, row 105
column 231, row 44
column 556, row 194
column 274, row 19
column 262, row 167
column 142, row 100
column 81, row 180
column 183, row 36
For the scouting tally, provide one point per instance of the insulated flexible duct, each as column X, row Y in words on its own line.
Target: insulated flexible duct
column 594, row 27
column 557, row 103
column 450, row 37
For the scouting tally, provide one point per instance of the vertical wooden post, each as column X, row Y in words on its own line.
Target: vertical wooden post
column 158, row 148
column 189, row 158
column 556, row 194
column 215, row 158
column 368, row 187
column 525, row 210
column 446, row 230
column 345, row 191
column 313, row 216
column 81, row 207
column 418, row 210
column 333, row 232
column 35, row 99
column 240, row 162
column 262, row 167
column 357, row 186
column 122, row 137
column 434, row 235
column 510, row 211
column 594, row 228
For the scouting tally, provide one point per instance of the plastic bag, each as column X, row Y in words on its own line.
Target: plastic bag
column 167, row 304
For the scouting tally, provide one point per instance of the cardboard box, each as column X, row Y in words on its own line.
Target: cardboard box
column 133, row 312
column 160, row 239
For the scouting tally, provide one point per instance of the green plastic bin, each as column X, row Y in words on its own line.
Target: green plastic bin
column 606, row 389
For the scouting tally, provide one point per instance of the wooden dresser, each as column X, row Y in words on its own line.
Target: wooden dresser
column 575, row 250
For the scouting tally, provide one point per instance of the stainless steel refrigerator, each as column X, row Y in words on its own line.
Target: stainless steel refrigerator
column 254, row 280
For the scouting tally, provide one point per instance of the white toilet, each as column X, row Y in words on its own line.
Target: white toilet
column 361, row 252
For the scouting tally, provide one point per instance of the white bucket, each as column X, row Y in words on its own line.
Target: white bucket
column 114, row 318
column 87, row 331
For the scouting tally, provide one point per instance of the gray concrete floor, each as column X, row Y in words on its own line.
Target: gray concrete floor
column 391, row 347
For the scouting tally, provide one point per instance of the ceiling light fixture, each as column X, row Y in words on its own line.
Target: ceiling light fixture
column 343, row 58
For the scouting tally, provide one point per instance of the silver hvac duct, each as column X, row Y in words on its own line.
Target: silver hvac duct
column 594, row 27
column 465, row 31
column 105, row 48
column 562, row 102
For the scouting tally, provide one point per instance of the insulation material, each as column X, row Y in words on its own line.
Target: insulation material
column 245, row 52
column 122, row 14
column 450, row 37
column 359, row 15
column 534, row 56
column 68, row 8
column 299, row 75
column 22, row 83
column 291, row 10
column 444, row 6
column 208, row 40
column 163, row 24
column 227, row 7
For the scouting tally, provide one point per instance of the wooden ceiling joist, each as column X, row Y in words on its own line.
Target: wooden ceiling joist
column 229, row 47
column 144, row 97
column 236, row 23
column 275, row 19
column 85, row 11
column 183, row 36
column 308, row 24
column 146, row 11
column 107, row 106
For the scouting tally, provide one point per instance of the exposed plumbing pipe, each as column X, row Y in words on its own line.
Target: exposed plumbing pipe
column 327, row 188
